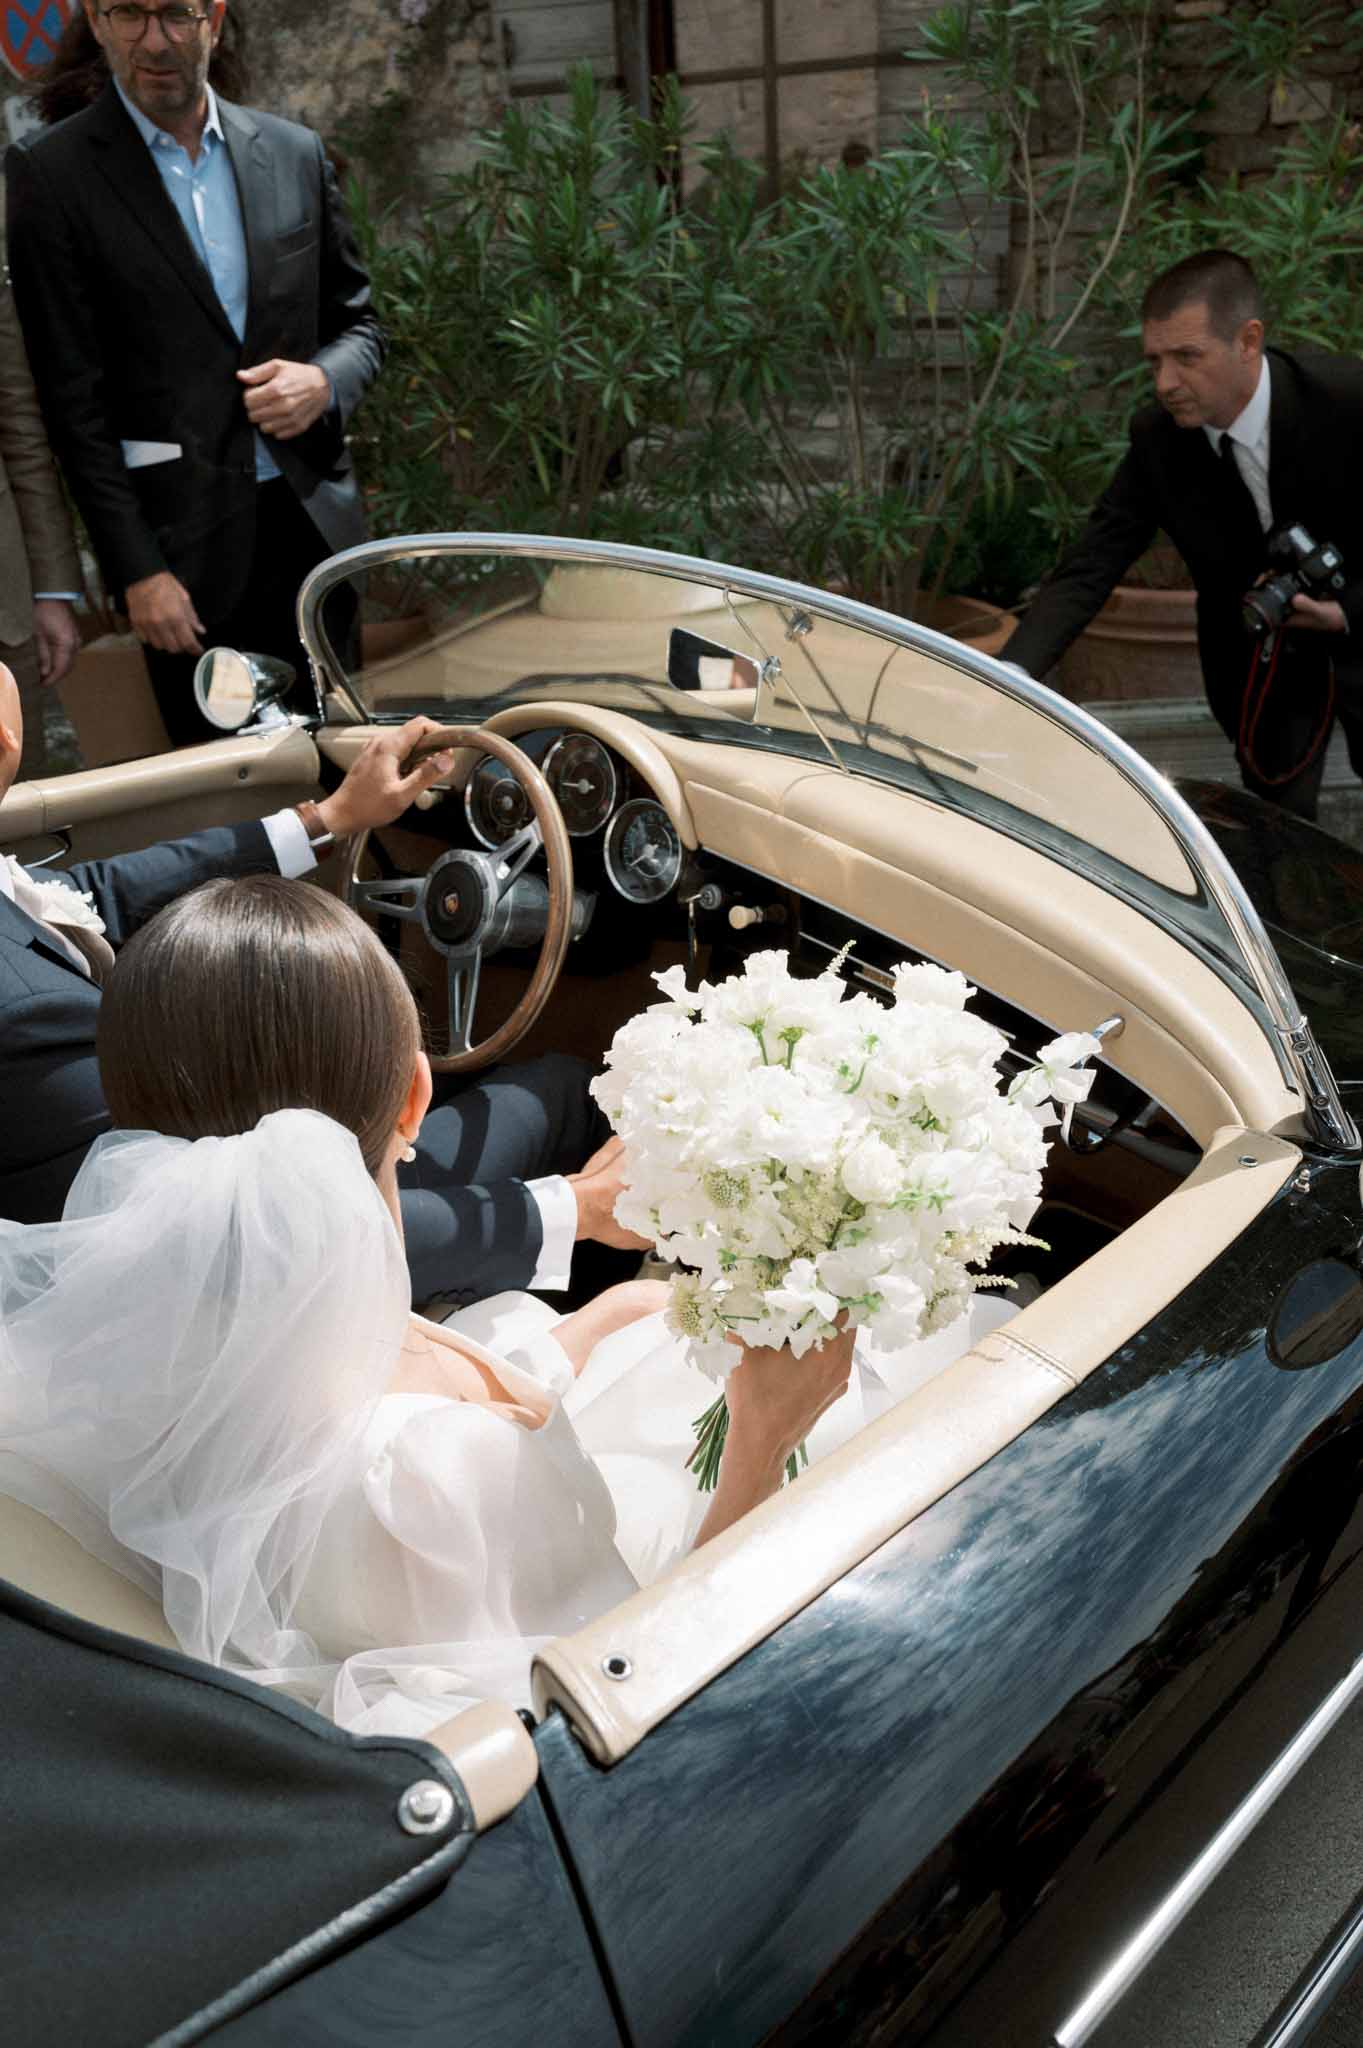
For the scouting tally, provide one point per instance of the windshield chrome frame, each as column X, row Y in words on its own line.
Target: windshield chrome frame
column 1300, row 1060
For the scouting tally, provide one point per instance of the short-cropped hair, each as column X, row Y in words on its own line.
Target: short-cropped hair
column 1215, row 278
column 252, row 995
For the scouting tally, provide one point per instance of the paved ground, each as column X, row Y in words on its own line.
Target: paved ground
column 1182, row 738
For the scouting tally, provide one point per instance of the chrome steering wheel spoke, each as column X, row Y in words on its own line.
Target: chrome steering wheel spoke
column 394, row 896
column 511, row 859
column 462, row 970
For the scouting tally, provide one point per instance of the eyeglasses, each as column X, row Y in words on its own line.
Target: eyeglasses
column 129, row 21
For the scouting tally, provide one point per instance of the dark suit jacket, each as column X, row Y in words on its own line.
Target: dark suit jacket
column 471, row 1225
column 1171, row 479
column 51, row 1104
column 129, row 342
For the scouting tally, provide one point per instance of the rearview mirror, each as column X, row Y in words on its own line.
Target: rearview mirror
column 236, row 690
column 696, row 664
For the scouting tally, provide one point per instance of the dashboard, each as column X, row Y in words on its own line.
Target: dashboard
column 608, row 808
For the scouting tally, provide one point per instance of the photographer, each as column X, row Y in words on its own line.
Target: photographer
column 1250, row 461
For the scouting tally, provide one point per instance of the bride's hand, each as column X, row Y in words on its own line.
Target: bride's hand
column 775, row 1399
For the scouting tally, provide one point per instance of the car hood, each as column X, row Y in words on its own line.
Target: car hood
column 1307, row 886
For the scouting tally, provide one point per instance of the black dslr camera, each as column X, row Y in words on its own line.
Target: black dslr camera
column 1314, row 570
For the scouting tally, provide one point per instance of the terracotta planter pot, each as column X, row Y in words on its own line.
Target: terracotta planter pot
column 108, row 698
column 985, row 627
column 380, row 640
column 1143, row 643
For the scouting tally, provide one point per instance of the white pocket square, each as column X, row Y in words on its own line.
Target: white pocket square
column 142, row 454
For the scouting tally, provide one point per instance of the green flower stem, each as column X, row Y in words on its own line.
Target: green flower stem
column 712, row 1430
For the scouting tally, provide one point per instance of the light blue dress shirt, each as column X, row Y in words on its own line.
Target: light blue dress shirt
column 203, row 191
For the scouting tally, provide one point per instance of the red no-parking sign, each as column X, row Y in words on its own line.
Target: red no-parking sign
column 29, row 31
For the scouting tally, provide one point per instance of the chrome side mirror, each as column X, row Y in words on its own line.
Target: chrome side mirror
column 236, row 690
column 696, row 664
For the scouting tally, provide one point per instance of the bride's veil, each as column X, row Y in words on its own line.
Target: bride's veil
column 188, row 1362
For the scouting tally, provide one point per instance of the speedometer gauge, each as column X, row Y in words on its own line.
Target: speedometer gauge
column 643, row 852
column 581, row 774
column 496, row 804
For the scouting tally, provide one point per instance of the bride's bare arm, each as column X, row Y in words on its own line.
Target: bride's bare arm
column 580, row 1332
column 774, row 1401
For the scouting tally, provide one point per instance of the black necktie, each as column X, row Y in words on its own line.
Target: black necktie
column 1235, row 481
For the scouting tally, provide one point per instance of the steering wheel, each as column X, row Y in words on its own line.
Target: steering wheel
column 469, row 902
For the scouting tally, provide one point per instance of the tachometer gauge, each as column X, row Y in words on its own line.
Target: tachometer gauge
column 642, row 851
column 581, row 774
column 496, row 804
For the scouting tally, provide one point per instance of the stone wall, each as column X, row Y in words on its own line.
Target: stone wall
column 402, row 87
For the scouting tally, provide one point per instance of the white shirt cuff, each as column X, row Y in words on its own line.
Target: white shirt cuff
column 289, row 845
column 557, row 1204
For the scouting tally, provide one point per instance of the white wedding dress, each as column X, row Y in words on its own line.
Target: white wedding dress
column 196, row 1381
column 474, row 1534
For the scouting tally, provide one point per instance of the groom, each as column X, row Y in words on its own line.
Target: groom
column 474, row 1222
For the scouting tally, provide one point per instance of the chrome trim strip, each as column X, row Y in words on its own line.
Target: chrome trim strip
column 1145, row 1944
column 1299, row 1059
column 1314, row 1998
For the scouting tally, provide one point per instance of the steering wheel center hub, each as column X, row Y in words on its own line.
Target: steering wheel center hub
column 461, row 896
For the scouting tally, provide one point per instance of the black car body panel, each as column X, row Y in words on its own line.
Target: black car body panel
column 877, row 1798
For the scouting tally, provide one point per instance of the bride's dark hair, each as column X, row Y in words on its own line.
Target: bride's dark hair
column 250, row 995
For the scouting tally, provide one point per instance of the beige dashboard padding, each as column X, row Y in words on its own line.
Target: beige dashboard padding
column 42, row 1559
column 672, row 1639
column 490, row 1747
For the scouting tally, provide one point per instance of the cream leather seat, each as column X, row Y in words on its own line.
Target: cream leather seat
column 42, row 1559
column 488, row 1745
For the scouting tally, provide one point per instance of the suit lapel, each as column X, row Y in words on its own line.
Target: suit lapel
column 253, row 169
column 19, row 929
column 125, row 161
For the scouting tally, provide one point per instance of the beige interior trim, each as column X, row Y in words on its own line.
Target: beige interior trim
column 490, row 1747
column 1027, row 928
column 43, row 1560
column 63, row 801
column 734, row 1592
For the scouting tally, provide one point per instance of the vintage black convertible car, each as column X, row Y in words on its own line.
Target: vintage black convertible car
column 971, row 1734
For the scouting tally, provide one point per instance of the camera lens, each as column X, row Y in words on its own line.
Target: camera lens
column 1266, row 607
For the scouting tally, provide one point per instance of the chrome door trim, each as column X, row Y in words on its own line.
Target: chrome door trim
column 1300, row 1061
column 1150, row 1937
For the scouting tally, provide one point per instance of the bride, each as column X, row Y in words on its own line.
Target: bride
column 211, row 1377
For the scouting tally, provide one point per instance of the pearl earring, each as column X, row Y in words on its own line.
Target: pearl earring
column 407, row 1154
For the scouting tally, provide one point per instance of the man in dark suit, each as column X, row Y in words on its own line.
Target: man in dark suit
column 201, row 331
column 1240, row 443
column 473, row 1223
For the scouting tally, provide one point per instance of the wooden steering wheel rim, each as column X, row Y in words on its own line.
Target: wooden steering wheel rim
column 559, row 857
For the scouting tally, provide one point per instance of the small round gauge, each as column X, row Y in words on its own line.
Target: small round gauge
column 496, row 804
column 643, row 853
column 582, row 776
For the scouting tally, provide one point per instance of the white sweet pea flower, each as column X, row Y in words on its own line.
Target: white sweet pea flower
column 923, row 983
column 802, row 1297
column 872, row 1171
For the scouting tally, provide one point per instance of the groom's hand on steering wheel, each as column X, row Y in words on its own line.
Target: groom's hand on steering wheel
column 376, row 790
column 596, row 1188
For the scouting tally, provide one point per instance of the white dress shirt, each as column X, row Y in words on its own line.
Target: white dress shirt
column 1248, row 432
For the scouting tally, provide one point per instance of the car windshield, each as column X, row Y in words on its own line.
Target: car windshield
column 460, row 627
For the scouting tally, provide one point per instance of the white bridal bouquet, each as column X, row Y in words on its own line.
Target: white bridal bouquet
column 809, row 1154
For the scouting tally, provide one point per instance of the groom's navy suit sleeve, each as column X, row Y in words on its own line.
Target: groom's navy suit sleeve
column 51, row 1103
column 134, row 886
